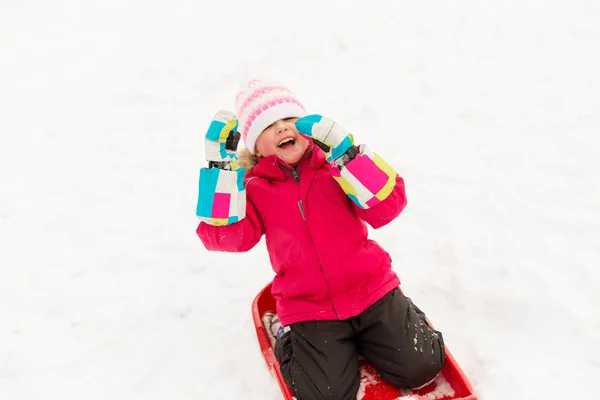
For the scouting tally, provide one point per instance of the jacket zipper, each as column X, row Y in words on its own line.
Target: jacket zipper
column 297, row 179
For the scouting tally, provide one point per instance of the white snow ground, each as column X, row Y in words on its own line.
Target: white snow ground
column 490, row 110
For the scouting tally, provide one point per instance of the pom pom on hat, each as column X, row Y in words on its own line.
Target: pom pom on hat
column 261, row 104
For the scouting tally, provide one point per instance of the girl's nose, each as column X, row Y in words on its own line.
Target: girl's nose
column 280, row 126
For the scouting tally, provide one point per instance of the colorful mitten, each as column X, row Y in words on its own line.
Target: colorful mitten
column 221, row 141
column 367, row 179
column 221, row 192
column 331, row 137
column 362, row 174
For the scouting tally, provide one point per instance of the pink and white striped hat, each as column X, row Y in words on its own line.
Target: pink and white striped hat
column 261, row 104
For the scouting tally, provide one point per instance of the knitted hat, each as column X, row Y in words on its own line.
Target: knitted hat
column 261, row 104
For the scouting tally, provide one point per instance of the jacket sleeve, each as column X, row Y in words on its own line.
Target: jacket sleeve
column 240, row 236
column 373, row 186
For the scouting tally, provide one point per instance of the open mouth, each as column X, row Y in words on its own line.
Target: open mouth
column 286, row 143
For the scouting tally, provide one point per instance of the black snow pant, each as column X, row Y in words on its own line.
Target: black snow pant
column 319, row 359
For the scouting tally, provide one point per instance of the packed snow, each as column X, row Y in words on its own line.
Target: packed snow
column 489, row 110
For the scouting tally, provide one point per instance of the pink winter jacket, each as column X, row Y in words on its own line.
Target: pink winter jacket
column 327, row 268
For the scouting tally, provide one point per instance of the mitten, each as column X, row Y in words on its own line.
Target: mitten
column 221, row 192
column 330, row 136
column 363, row 175
column 222, row 140
column 367, row 179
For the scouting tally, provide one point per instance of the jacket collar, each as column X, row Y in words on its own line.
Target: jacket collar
column 273, row 167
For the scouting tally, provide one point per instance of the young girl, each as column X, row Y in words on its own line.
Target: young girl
column 303, row 184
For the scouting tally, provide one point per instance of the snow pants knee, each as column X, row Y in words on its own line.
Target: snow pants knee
column 319, row 359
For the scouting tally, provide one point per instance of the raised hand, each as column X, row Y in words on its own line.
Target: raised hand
column 330, row 136
column 222, row 140
column 221, row 192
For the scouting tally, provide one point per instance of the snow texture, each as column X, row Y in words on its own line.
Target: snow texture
column 366, row 379
column 489, row 110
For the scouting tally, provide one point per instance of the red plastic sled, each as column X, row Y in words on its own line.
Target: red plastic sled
column 451, row 383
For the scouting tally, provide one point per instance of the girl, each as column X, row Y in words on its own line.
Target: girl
column 303, row 184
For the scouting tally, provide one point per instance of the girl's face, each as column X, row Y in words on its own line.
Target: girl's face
column 282, row 139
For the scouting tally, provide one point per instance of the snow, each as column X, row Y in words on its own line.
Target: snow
column 442, row 389
column 489, row 110
column 366, row 379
